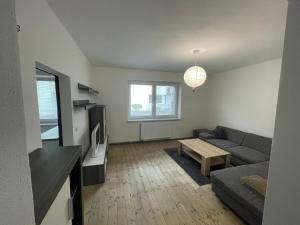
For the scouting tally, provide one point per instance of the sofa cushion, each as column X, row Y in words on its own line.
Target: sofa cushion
column 248, row 155
column 228, row 186
column 221, row 143
column 237, row 161
column 259, row 143
column 233, row 135
column 219, row 133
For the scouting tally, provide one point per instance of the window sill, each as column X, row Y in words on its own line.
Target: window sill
column 152, row 120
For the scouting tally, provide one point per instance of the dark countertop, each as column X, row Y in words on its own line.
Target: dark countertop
column 49, row 171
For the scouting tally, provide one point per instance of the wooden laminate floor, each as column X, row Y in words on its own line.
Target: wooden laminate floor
column 144, row 186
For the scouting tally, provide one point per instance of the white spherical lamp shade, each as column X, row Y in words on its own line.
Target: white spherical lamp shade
column 194, row 77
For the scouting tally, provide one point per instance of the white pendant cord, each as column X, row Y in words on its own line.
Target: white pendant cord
column 196, row 54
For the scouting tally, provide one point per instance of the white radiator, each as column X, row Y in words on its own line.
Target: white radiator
column 155, row 130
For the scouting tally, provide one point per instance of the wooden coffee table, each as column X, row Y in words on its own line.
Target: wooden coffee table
column 206, row 154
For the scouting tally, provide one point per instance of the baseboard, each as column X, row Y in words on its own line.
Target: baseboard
column 148, row 141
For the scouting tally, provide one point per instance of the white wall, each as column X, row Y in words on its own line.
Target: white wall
column 44, row 39
column 245, row 98
column 16, row 202
column 283, row 197
column 114, row 93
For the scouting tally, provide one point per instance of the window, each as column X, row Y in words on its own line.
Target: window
column 48, row 104
column 47, row 99
column 153, row 100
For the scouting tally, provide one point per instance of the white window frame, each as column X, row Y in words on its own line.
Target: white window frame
column 154, row 117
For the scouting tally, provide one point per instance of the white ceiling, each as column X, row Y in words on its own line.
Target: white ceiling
column 159, row 34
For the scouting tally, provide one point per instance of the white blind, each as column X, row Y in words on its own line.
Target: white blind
column 47, row 99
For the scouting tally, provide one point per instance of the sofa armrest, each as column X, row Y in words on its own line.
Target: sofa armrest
column 196, row 132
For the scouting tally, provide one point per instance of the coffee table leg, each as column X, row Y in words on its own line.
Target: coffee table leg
column 180, row 149
column 205, row 166
column 227, row 161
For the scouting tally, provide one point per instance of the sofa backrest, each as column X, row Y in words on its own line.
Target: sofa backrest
column 233, row 135
column 259, row 143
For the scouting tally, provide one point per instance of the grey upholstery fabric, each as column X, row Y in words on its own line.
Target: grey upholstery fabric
column 196, row 132
column 229, row 188
column 236, row 161
column 206, row 136
column 259, row 143
column 233, row 135
column 245, row 148
column 221, row 143
column 248, row 155
column 219, row 133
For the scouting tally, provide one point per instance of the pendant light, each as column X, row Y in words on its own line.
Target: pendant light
column 195, row 76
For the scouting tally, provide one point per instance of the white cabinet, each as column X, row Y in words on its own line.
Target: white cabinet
column 59, row 210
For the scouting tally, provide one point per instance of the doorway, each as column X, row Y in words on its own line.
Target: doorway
column 49, row 108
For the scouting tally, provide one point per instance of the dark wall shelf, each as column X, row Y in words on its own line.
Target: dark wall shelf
column 83, row 104
column 88, row 89
column 49, row 170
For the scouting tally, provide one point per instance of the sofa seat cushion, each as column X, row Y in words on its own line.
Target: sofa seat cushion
column 237, row 161
column 248, row 155
column 221, row 143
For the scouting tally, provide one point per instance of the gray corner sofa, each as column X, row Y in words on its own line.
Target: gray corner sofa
column 245, row 148
column 250, row 154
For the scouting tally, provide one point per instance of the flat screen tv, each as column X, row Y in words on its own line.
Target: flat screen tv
column 95, row 139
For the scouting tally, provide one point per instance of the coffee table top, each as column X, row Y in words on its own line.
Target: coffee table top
column 203, row 148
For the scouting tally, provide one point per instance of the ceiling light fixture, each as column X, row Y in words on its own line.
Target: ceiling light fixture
column 195, row 76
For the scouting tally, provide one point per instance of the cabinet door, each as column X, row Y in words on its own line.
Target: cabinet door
column 59, row 210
